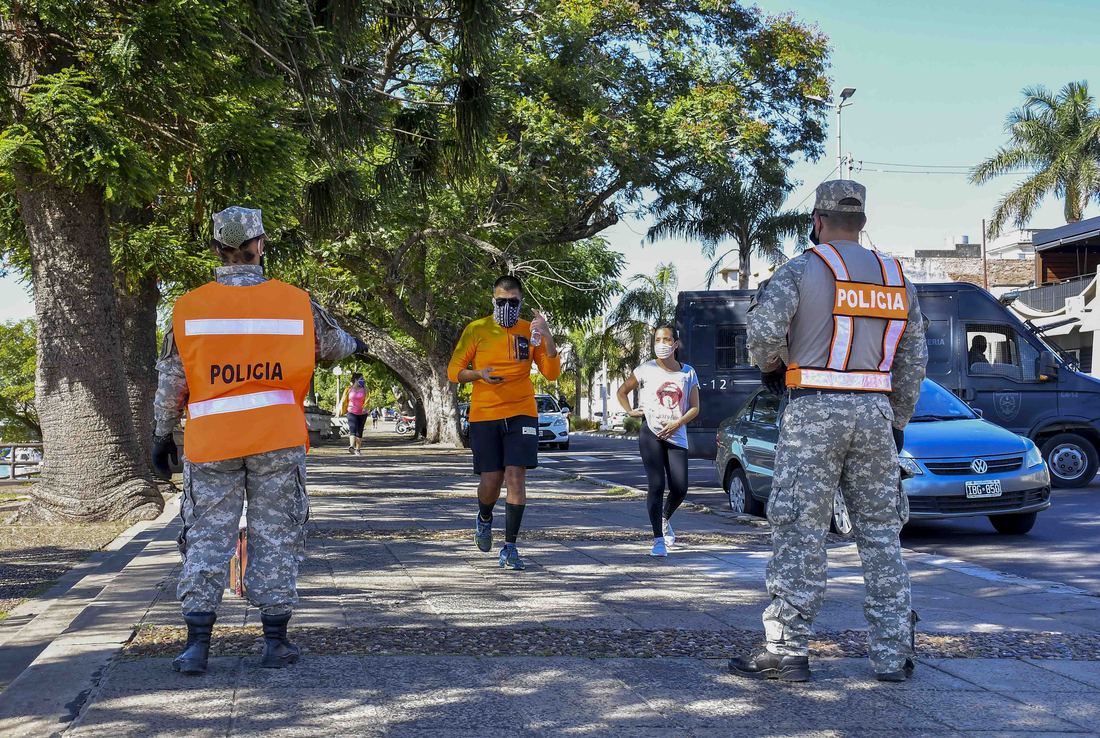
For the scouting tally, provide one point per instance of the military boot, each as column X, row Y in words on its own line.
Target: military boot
column 193, row 658
column 768, row 665
column 279, row 652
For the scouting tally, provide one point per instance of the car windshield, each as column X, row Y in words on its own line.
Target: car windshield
column 547, row 404
column 938, row 403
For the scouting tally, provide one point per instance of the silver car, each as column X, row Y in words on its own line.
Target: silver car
column 954, row 464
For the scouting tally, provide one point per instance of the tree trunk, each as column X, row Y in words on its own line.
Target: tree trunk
column 93, row 468
column 426, row 376
column 440, row 403
column 744, row 265
column 138, row 312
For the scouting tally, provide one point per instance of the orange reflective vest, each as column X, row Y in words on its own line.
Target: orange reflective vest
column 866, row 305
column 248, row 353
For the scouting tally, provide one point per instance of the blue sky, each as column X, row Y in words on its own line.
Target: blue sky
column 935, row 80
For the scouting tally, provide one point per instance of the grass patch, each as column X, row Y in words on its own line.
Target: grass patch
column 32, row 557
column 619, row 491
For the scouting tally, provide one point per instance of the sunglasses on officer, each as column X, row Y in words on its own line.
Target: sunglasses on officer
column 509, row 301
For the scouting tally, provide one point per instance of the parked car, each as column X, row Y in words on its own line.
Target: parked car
column 957, row 464
column 553, row 423
column 389, row 414
column 464, row 422
column 618, row 420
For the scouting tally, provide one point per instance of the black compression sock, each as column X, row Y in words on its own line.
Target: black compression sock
column 513, row 515
column 485, row 511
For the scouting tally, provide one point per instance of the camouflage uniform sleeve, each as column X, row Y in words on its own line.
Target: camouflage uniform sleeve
column 909, row 363
column 333, row 342
column 172, row 391
column 770, row 317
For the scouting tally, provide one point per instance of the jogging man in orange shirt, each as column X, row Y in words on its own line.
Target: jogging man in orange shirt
column 495, row 353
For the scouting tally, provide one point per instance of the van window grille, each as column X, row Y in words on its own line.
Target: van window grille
column 730, row 349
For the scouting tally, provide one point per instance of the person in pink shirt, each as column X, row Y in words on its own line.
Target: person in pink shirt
column 355, row 397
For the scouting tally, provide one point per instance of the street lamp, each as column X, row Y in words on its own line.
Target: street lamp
column 337, row 372
column 845, row 94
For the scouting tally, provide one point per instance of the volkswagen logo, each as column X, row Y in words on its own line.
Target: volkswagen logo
column 979, row 466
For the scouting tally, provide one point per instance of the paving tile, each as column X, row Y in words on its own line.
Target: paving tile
column 195, row 712
column 1007, row 675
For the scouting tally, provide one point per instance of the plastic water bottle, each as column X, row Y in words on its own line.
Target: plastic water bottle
column 536, row 337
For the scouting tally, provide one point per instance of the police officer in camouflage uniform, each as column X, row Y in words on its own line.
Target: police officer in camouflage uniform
column 273, row 481
column 839, row 326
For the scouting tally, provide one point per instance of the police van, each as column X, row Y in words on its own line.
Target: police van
column 977, row 348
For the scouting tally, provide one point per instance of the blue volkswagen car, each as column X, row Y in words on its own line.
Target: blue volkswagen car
column 954, row 464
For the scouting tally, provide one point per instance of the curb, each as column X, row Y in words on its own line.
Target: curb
column 742, row 519
column 606, row 434
column 78, row 630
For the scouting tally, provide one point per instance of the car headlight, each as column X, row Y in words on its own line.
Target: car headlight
column 909, row 466
column 1033, row 456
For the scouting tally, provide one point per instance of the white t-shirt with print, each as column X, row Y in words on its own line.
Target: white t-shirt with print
column 665, row 396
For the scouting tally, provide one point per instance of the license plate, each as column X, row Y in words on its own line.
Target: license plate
column 979, row 490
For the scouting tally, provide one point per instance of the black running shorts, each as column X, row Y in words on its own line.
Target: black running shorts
column 509, row 442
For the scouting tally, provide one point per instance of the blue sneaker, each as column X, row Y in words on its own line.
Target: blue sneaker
column 670, row 534
column 659, row 548
column 483, row 534
column 509, row 557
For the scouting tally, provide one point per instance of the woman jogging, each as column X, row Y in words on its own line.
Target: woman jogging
column 668, row 394
column 352, row 403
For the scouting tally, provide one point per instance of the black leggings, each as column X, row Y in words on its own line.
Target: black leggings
column 662, row 460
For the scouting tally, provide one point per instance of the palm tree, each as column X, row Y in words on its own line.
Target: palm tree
column 583, row 356
column 1055, row 141
column 732, row 205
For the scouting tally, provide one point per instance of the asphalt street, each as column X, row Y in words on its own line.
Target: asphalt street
column 1064, row 545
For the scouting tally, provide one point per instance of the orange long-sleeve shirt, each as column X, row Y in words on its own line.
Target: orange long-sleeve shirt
column 510, row 353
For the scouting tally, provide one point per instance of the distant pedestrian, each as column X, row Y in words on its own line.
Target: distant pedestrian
column 374, row 414
column 496, row 353
column 239, row 357
column 668, row 393
column 841, row 328
column 351, row 404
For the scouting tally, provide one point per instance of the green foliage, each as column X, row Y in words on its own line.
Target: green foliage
column 18, row 418
column 577, row 423
column 731, row 203
column 632, row 425
column 1054, row 140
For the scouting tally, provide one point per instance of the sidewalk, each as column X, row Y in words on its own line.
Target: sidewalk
column 409, row 630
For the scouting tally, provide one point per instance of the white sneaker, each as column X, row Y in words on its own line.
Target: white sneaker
column 659, row 548
column 670, row 535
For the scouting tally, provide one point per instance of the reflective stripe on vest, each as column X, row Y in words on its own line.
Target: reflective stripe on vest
column 243, row 327
column 240, row 403
column 827, row 379
column 248, row 354
column 891, row 274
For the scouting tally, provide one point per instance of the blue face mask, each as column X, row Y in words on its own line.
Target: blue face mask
column 361, row 383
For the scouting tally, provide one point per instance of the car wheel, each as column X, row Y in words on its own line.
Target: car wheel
column 842, row 521
column 1071, row 459
column 1016, row 524
column 739, row 495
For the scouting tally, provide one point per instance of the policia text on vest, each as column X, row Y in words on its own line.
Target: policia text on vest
column 258, row 372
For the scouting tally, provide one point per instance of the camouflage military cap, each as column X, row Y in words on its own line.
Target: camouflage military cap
column 235, row 225
column 829, row 195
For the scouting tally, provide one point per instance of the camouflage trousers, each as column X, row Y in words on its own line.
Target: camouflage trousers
column 213, row 497
column 829, row 442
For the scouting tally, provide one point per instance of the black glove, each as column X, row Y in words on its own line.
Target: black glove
column 361, row 348
column 775, row 381
column 899, row 438
column 164, row 448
